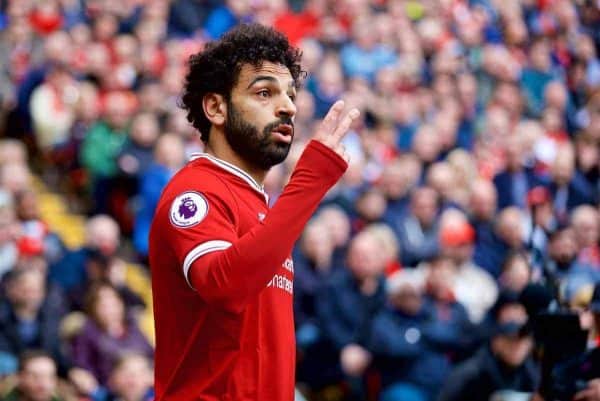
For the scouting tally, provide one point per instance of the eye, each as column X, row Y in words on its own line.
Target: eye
column 264, row 93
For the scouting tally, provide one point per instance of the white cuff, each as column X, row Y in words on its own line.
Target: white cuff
column 200, row 250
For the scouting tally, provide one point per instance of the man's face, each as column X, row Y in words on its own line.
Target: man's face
column 259, row 125
column 38, row 379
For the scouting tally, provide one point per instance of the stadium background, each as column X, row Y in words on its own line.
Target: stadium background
column 475, row 171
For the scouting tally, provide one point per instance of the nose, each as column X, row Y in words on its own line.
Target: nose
column 286, row 108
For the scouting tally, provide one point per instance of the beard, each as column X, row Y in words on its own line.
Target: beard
column 255, row 147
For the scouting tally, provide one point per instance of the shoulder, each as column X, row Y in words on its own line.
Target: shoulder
column 197, row 178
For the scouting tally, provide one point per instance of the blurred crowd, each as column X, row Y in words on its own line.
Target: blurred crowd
column 473, row 189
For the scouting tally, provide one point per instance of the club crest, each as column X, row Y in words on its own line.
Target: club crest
column 188, row 209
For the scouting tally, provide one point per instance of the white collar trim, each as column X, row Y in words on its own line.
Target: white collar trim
column 233, row 169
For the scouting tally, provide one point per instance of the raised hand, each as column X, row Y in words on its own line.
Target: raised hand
column 334, row 127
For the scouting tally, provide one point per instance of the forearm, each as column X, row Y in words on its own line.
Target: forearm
column 245, row 268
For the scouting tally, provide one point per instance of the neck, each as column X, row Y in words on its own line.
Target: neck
column 219, row 148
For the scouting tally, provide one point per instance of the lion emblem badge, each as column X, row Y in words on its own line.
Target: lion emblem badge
column 188, row 209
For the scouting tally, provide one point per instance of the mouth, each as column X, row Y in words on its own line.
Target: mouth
column 284, row 132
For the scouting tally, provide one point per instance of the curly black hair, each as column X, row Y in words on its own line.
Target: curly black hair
column 216, row 69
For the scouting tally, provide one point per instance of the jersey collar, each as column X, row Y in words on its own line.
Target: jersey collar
column 232, row 169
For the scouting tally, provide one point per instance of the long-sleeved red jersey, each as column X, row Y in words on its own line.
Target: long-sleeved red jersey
column 222, row 278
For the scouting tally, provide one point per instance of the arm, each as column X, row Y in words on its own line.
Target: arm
column 232, row 276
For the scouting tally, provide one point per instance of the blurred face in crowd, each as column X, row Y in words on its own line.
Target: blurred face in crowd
column 117, row 110
column 442, row 273
column 514, row 153
column 38, row 379
column 442, row 178
column 483, row 200
column 563, row 247
column 338, row 223
column 563, row 167
column 371, row 205
column 540, row 56
column 317, row 243
column 27, row 290
column 144, row 129
column 108, row 309
column 364, row 258
column 585, row 225
column 424, row 206
column 170, row 151
column 510, row 227
column 27, row 206
column 515, row 273
column 8, row 225
column 103, row 234
column 426, row 144
column 132, row 378
column 408, row 299
column 555, row 95
column 512, row 349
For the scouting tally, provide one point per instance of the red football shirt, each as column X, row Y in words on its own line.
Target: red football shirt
column 222, row 278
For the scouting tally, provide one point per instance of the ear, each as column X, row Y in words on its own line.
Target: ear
column 215, row 108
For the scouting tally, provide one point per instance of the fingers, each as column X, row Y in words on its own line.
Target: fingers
column 330, row 121
column 342, row 128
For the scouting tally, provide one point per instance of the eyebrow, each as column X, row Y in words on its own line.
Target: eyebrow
column 261, row 78
column 270, row 79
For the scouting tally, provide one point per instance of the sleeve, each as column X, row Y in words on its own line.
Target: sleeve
column 227, row 270
column 199, row 223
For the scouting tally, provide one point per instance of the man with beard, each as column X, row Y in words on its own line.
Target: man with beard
column 222, row 276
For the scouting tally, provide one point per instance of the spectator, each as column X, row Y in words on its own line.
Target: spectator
column 417, row 229
column 482, row 211
column 27, row 319
column 515, row 181
column 130, row 380
column 103, row 143
column 347, row 303
column 168, row 158
column 585, row 221
column 472, row 286
column 38, row 380
column 569, row 189
column 505, row 363
column 107, row 334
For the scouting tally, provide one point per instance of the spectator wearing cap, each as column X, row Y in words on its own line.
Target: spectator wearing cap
column 473, row 287
column 586, row 367
column 504, row 363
